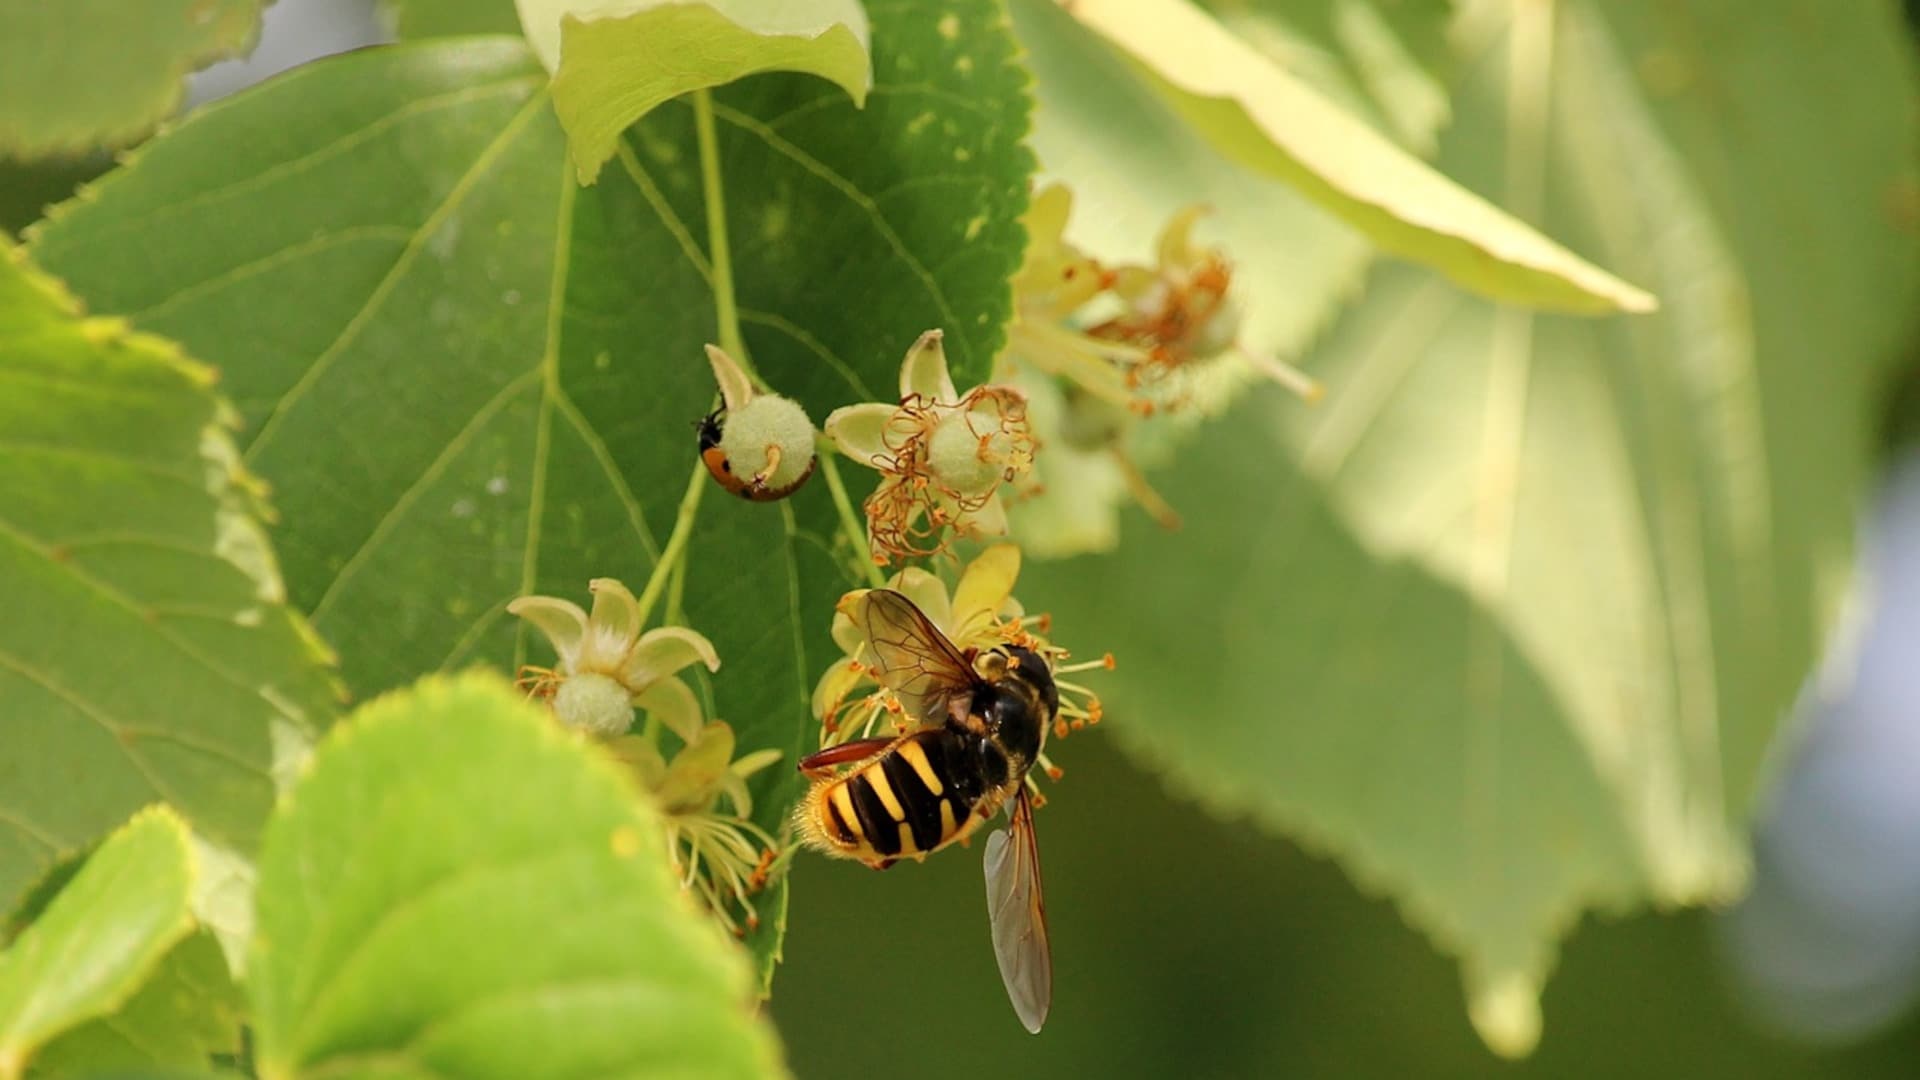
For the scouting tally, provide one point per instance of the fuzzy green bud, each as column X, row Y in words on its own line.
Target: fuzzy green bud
column 595, row 704
column 763, row 424
column 958, row 458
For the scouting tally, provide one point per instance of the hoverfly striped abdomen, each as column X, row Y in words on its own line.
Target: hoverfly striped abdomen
column 916, row 797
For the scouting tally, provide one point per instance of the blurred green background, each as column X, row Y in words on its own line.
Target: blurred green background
column 1184, row 946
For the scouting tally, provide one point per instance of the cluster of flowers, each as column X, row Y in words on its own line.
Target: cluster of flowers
column 605, row 668
column 1095, row 352
column 1111, row 357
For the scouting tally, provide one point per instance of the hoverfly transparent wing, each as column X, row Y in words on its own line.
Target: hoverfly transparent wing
column 911, row 656
column 1018, row 914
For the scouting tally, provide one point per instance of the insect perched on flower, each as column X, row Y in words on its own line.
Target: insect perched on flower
column 757, row 446
column 972, row 722
column 942, row 455
column 605, row 669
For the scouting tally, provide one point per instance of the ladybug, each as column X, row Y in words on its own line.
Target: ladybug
column 753, row 488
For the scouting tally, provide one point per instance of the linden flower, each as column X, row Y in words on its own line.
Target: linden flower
column 942, row 455
column 1180, row 315
column 979, row 613
column 606, row 667
column 720, row 854
column 1055, row 282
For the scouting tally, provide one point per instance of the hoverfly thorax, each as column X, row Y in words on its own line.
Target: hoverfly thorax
column 1018, row 704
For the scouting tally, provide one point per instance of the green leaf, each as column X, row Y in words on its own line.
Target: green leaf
column 1256, row 113
column 468, row 380
column 613, row 65
column 458, row 888
column 1133, row 163
column 1383, row 60
column 147, row 653
column 450, row 18
column 1506, row 623
column 86, row 73
column 188, row 1011
column 100, row 936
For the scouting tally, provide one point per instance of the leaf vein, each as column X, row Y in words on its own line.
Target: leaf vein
column 401, row 264
column 858, row 198
column 435, row 468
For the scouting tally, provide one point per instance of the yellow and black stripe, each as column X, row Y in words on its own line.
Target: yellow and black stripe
column 915, row 798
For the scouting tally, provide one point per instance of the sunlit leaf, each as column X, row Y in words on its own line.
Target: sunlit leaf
column 1506, row 624
column 1263, row 117
column 146, row 653
column 457, row 888
column 84, row 73
column 1132, row 163
column 99, row 938
column 469, row 380
column 1383, row 60
column 614, row 63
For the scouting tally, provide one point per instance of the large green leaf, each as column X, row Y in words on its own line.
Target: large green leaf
column 99, row 938
column 614, row 63
column 1261, row 115
column 186, row 1012
column 146, row 653
column 1507, row 623
column 468, row 380
column 459, row 888
column 85, row 73
column 1381, row 60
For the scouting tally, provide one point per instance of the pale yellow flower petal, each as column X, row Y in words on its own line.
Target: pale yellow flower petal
column 859, row 431
column 693, row 778
column 616, row 615
column 641, row 757
column 835, row 684
column 988, row 522
column 1176, row 240
column 663, row 651
column 748, row 764
column 562, row 621
column 735, row 388
column 927, row 592
column 672, row 702
column 924, row 372
column 734, row 790
column 984, row 588
column 1046, row 218
column 845, row 634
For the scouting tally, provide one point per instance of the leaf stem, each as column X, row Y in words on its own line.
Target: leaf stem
column 670, row 570
column 726, row 310
column 849, row 522
column 676, row 547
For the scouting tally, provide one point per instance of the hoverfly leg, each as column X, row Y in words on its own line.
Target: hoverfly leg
column 821, row 763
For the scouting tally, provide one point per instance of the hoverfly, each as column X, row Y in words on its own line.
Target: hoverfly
column 983, row 719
